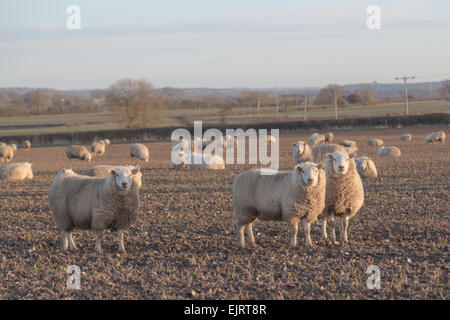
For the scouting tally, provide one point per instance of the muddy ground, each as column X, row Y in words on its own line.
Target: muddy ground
column 184, row 246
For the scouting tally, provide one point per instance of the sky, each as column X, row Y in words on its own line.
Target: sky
column 221, row 44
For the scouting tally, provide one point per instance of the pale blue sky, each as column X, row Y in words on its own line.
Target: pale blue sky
column 246, row 43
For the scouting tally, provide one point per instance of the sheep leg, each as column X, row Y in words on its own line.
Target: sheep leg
column 121, row 246
column 341, row 227
column 98, row 242
column 65, row 244
column 307, row 227
column 345, row 227
column 240, row 229
column 324, row 229
column 251, row 237
column 333, row 229
column 294, row 232
column 72, row 244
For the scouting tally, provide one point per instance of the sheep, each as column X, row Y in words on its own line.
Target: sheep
column 436, row 136
column 139, row 151
column 288, row 196
column 351, row 149
column 6, row 153
column 199, row 161
column 91, row 203
column 27, row 144
column 107, row 142
column 329, row 137
column 344, row 194
column 303, row 152
column 102, row 171
column 366, row 167
column 98, row 147
column 2, row 144
column 347, row 143
column 316, row 139
column 375, row 142
column 389, row 152
column 406, row 137
column 78, row 152
column 16, row 171
column 13, row 147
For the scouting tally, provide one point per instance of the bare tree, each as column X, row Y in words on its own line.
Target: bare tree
column 172, row 97
column 136, row 102
column 326, row 95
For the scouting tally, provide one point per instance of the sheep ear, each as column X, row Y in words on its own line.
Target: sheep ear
column 329, row 156
column 319, row 166
column 352, row 155
column 135, row 170
column 114, row 172
column 298, row 167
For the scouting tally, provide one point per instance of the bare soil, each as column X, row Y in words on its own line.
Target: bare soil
column 184, row 245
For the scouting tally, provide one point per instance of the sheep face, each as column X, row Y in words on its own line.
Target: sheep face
column 299, row 147
column 309, row 172
column 124, row 177
column 340, row 162
column 362, row 163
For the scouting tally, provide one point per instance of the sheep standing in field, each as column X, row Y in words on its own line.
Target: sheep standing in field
column 98, row 147
column 344, row 194
column 375, row 142
column 27, row 144
column 389, row 152
column 102, row 171
column 16, row 171
column 303, row 152
column 107, row 142
column 435, row 137
column 329, row 137
column 347, row 143
column 139, row 151
column 6, row 153
column 366, row 167
column 198, row 161
column 317, row 139
column 78, row 152
column 406, row 137
column 298, row 195
column 90, row 203
column 13, row 147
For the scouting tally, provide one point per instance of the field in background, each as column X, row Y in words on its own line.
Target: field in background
column 27, row 125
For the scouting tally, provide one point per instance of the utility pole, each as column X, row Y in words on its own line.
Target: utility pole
column 258, row 104
column 335, row 104
column 306, row 103
column 406, row 91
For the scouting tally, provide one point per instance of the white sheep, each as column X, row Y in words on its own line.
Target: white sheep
column 90, row 203
column 13, row 147
column 366, row 167
column 406, row 137
column 435, row 137
column 16, row 171
column 6, row 153
column 317, row 139
column 288, row 196
column 329, row 137
column 27, row 144
column 347, row 143
column 98, row 147
column 107, row 142
column 375, row 142
column 303, row 152
column 390, row 151
column 344, row 194
column 78, row 152
column 102, row 171
column 139, row 151
column 199, row 161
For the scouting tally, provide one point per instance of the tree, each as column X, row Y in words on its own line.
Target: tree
column 326, row 95
column 172, row 97
column 135, row 100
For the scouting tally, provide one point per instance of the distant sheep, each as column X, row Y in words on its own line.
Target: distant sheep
column 78, row 152
column 375, row 142
column 6, row 153
column 366, row 167
column 406, row 137
column 13, row 146
column 317, row 139
column 389, row 152
column 344, row 194
column 294, row 196
column 347, row 143
column 303, row 152
column 16, row 171
column 435, row 137
column 199, row 161
column 102, row 171
column 98, row 147
column 139, row 151
column 329, row 137
column 107, row 142
column 90, row 203
column 27, row 144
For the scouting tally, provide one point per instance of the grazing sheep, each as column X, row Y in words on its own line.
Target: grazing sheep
column 347, row 143
column 16, row 171
column 329, row 137
column 78, row 152
column 139, row 151
column 90, row 203
column 102, row 171
column 406, row 137
column 435, row 137
column 366, row 167
column 375, row 142
column 199, row 161
column 13, row 147
column 288, row 196
column 303, row 152
column 344, row 194
column 98, row 147
column 6, row 153
column 317, row 139
column 27, row 144
column 107, row 141
column 389, row 152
